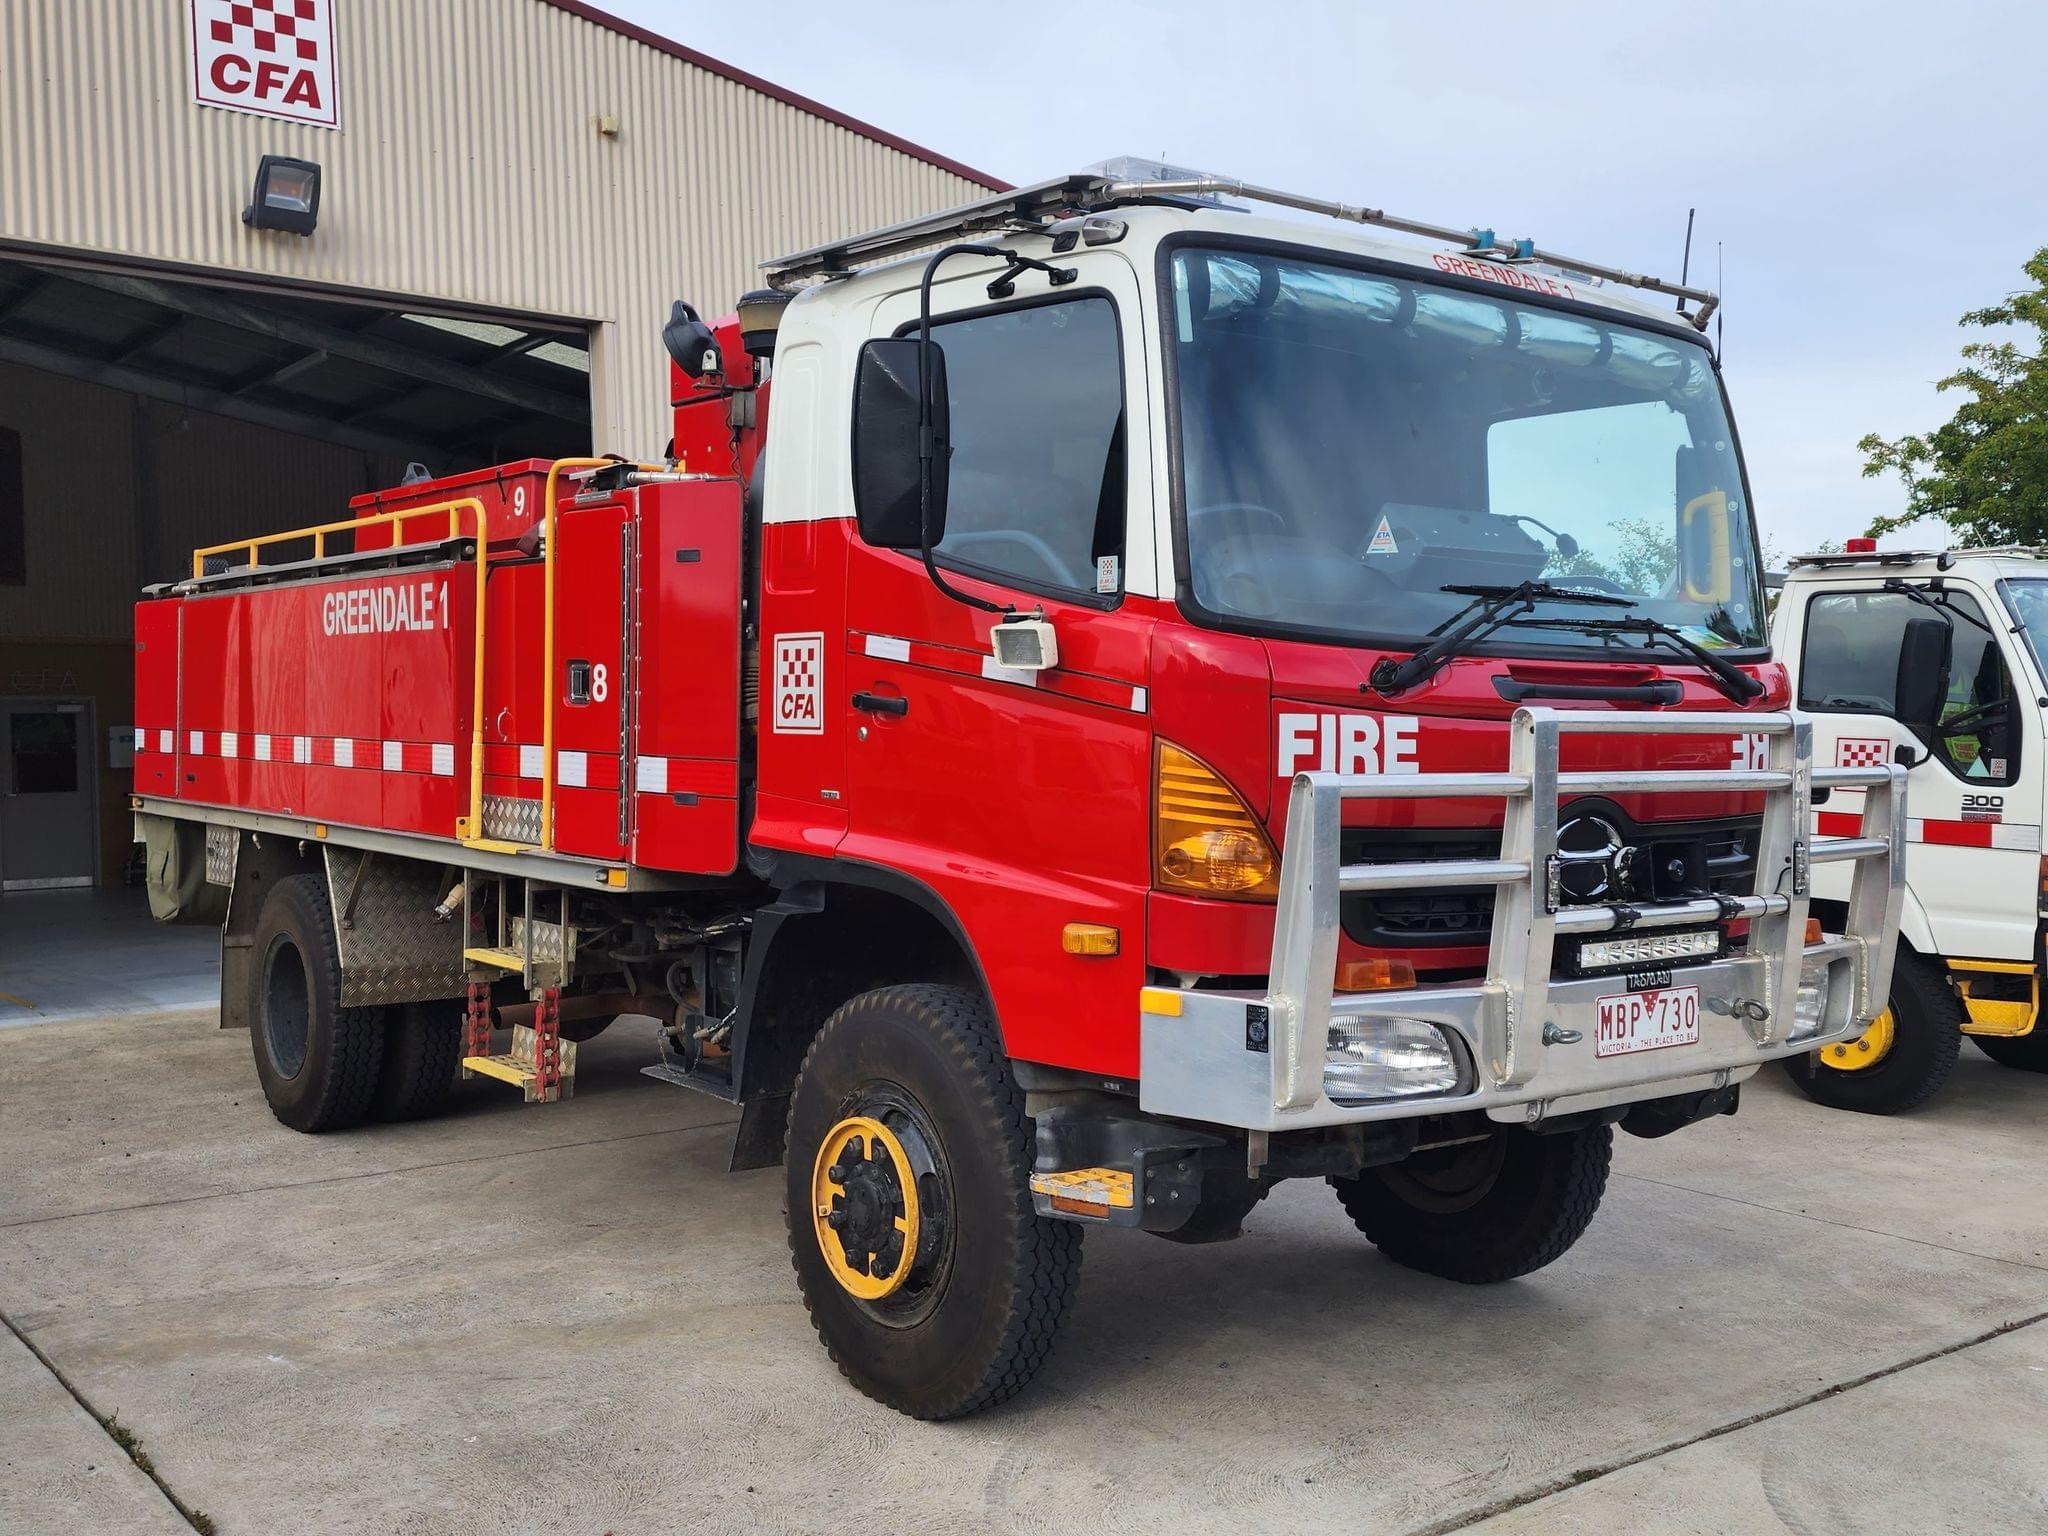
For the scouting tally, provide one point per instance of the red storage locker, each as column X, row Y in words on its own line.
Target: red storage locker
column 511, row 493
column 686, row 677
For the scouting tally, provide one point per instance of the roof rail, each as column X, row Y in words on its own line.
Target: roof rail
column 1873, row 557
column 1944, row 557
column 1119, row 182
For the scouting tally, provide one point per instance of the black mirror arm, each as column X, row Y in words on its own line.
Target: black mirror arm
column 927, row 447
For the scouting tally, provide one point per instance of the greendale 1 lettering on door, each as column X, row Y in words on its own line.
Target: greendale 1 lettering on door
column 1353, row 744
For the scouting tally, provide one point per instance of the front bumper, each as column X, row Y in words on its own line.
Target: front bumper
column 1256, row 1061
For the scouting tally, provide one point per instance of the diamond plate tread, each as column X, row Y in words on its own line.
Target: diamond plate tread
column 393, row 948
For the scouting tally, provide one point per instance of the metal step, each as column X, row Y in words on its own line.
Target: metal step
column 500, row 959
column 517, row 1068
column 718, row 1084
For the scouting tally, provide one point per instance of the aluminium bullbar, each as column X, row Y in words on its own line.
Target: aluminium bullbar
column 1525, row 1038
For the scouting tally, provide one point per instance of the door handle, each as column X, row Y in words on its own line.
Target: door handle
column 881, row 704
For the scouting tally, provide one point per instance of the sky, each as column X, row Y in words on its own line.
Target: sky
column 1864, row 173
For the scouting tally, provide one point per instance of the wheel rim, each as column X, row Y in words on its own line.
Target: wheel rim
column 1866, row 1050
column 287, row 1008
column 866, row 1208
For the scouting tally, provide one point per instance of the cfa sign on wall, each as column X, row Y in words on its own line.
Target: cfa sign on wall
column 274, row 58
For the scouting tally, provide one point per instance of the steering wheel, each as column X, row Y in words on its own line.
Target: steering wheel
column 1956, row 725
column 1055, row 567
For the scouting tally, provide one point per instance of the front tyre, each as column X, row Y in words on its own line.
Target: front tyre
column 934, row 1285
column 1902, row 1059
column 317, row 1060
column 1483, row 1211
column 2027, row 1053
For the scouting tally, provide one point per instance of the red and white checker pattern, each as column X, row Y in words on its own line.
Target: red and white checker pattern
column 273, row 58
column 1862, row 752
column 798, row 696
column 290, row 28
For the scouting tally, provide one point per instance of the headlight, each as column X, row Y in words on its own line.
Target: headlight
column 1389, row 1058
column 1810, row 1006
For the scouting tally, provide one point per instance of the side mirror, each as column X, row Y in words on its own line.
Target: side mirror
column 1921, row 688
column 689, row 342
column 887, row 472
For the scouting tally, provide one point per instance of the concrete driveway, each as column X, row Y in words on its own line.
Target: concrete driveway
column 570, row 1318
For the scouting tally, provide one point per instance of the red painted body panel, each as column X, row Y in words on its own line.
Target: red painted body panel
column 335, row 699
column 156, row 697
column 1022, row 802
column 686, row 677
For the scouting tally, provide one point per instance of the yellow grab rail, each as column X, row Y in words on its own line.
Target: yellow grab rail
column 466, row 827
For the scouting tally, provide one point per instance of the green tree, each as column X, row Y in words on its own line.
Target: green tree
column 1984, row 472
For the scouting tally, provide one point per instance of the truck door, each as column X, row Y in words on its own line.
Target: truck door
column 1973, row 793
column 1021, row 798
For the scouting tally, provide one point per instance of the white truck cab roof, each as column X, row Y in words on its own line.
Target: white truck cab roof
column 1858, row 565
column 1144, row 202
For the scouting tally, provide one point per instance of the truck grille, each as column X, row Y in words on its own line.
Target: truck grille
column 1671, row 861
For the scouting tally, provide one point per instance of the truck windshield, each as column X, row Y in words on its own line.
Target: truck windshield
column 1352, row 443
column 2027, row 599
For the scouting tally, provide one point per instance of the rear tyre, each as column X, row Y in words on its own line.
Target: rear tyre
column 2027, row 1053
column 1902, row 1060
column 422, row 1044
column 934, row 1285
column 1483, row 1211
column 317, row 1060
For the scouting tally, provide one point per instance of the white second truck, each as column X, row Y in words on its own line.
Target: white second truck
column 1934, row 659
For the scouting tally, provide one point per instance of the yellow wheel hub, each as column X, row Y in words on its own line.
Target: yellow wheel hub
column 1866, row 1050
column 864, row 1207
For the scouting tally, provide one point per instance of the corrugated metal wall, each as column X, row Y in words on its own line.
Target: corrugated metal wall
column 468, row 169
column 121, row 490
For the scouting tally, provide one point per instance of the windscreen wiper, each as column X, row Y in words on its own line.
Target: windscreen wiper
column 1734, row 682
column 1490, row 608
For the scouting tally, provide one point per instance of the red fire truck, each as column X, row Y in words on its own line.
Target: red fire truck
column 1183, row 698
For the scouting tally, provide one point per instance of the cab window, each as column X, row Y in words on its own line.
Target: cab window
column 1850, row 667
column 1036, row 477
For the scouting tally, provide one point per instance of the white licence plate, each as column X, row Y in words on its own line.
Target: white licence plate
column 1647, row 1021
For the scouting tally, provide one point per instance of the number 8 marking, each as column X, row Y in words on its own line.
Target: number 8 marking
column 600, row 683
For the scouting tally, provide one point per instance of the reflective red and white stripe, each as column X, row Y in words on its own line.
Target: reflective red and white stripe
column 2017, row 837
column 428, row 757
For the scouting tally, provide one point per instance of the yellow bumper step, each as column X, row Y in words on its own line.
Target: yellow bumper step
column 519, row 1068
column 500, row 959
column 1085, row 1191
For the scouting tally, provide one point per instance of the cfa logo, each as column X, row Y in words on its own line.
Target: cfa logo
column 274, row 58
column 797, row 702
column 1354, row 744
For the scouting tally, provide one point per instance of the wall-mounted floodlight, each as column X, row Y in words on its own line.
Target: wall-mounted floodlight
column 287, row 196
